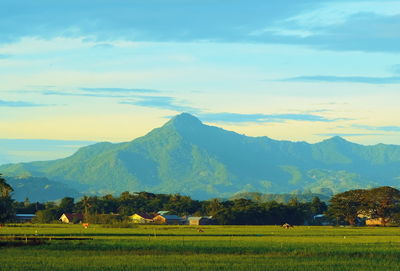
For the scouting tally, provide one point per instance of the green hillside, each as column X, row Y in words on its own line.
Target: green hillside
column 39, row 189
column 185, row 156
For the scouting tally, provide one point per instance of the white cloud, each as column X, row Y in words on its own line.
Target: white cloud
column 35, row 45
column 338, row 12
column 283, row 32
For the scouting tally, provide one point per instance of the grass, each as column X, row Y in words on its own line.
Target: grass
column 217, row 248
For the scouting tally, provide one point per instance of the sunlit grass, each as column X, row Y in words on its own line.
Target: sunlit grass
column 217, row 248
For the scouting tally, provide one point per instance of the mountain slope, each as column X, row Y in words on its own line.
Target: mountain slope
column 186, row 156
column 39, row 189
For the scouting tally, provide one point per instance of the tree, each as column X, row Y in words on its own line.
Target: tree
column 66, row 205
column 87, row 204
column 296, row 213
column 317, row 206
column 46, row 216
column 182, row 205
column 378, row 203
column 348, row 205
column 6, row 210
column 275, row 213
column 108, row 204
column 6, row 203
column 212, row 207
column 5, row 188
column 383, row 203
column 224, row 216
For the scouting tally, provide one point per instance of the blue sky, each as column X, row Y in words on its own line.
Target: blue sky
column 88, row 71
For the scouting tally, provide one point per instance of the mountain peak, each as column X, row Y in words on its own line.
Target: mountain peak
column 336, row 139
column 185, row 119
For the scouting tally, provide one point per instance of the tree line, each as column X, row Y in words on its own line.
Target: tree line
column 381, row 203
column 109, row 209
column 343, row 208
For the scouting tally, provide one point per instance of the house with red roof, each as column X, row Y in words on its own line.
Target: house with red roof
column 168, row 219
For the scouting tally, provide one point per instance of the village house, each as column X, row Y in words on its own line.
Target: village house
column 163, row 212
column 376, row 222
column 200, row 220
column 71, row 218
column 141, row 218
column 373, row 222
column 367, row 220
column 168, row 219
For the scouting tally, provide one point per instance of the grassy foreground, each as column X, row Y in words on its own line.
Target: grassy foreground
column 217, row 248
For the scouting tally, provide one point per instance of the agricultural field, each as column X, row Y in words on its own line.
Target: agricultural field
column 71, row 247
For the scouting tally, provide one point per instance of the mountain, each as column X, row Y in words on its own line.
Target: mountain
column 39, row 189
column 188, row 157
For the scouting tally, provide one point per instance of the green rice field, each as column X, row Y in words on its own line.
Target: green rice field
column 156, row 247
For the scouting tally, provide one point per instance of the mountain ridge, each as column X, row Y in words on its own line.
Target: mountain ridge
column 188, row 157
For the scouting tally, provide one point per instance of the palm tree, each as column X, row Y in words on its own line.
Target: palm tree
column 86, row 204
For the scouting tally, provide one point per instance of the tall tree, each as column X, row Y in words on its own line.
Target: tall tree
column 6, row 203
column 317, row 206
column 46, row 216
column 87, row 204
column 5, row 188
column 348, row 205
column 383, row 203
column 66, row 205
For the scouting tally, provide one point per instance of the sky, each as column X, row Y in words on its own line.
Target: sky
column 76, row 72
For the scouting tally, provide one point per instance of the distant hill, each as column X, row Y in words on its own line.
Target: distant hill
column 185, row 156
column 39, row 189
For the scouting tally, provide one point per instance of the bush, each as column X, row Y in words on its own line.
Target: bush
column 46, row 216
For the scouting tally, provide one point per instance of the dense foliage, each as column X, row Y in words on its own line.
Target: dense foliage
column 381, row 203
column 6, row 208
column 232, row 212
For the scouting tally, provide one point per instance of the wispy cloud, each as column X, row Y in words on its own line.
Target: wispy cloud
column 260, row 118
column 354, row 28
column 20, row 104
column 345, row 79
column 162, row 102
column 102, row 92
column 317, row 111
column 378, row 128
column 130, row 21
column 171, row 103
column 121, row 90
column 63, row 93
column 348, row 134
column 334, row 25
column 103, row 46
